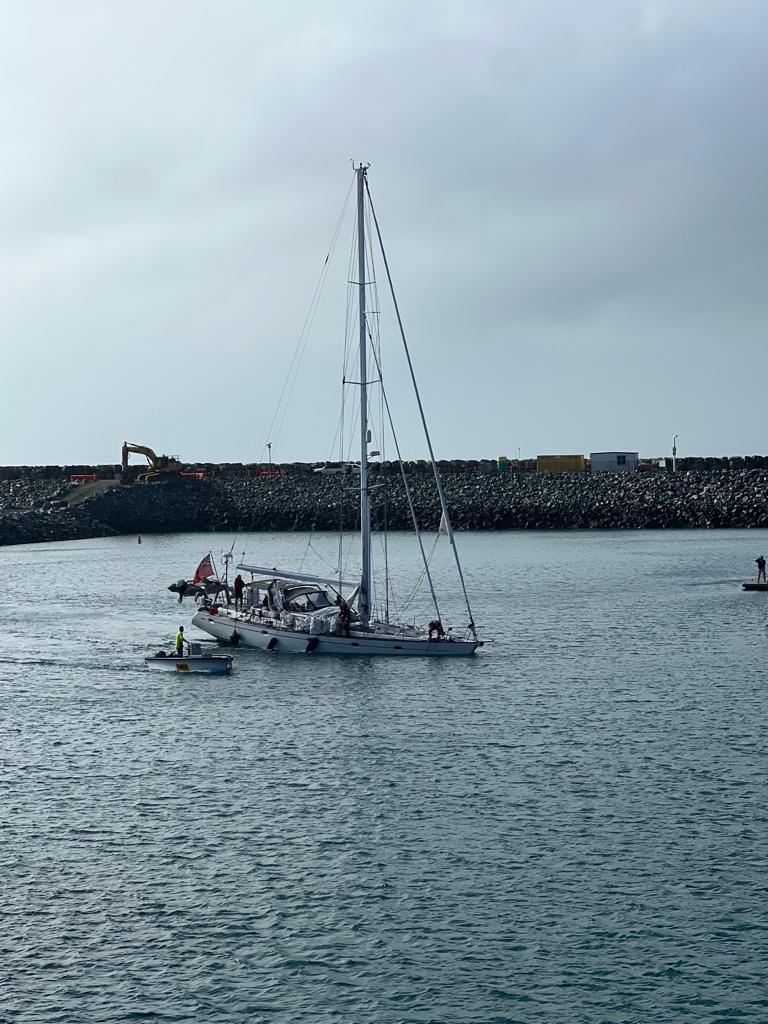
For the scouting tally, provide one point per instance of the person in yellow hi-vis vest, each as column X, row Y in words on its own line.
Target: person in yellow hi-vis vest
column 180, row 641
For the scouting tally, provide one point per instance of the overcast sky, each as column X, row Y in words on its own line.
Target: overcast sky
column 573, row 197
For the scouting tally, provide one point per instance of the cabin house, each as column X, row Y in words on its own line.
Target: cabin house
column 614, row 462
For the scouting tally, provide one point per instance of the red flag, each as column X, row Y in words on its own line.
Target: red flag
column 205, row 569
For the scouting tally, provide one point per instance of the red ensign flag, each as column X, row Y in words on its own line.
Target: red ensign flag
column 205, row 569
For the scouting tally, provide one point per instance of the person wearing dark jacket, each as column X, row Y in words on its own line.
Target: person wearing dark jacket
column 760, row 568
column 345, row 615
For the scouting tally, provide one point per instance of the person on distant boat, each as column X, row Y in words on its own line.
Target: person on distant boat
column 180, row 641
column 760, row 568
column 436, row 631
column 238, row 587
column 345, row 615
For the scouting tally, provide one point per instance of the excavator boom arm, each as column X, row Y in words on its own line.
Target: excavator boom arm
column 160, row 466
column 139, row 449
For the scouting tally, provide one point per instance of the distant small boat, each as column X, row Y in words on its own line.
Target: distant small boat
column 754, row 585
column 195, row 661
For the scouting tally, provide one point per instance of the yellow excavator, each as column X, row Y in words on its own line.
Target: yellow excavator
column 161, row 467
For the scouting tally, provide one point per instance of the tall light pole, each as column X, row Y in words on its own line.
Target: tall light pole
column 674, row 453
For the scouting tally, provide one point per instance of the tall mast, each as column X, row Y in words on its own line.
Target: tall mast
column 364, row 598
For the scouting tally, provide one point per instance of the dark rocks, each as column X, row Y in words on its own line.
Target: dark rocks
column 20, row 494
column 169, row 507
column 34, row 527
column 480, row 499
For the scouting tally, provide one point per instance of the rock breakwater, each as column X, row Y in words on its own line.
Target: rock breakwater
column 38, row 509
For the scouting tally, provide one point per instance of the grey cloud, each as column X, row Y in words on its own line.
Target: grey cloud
column 570, row 193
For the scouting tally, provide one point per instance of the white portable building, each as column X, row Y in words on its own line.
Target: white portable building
column 613, row 462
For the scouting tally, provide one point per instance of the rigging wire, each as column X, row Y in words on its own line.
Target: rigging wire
column 349, row 367
column 438, row 482
column 375, row 339
column 409, row 496
column 323, row 559
column 374, row 334
column 283, row 402
column 350, row 351
column 409, row 600
column 383, row 477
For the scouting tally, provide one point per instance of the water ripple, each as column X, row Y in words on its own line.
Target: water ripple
column 573, row 827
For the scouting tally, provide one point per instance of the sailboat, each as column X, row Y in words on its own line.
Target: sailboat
column 294, row 612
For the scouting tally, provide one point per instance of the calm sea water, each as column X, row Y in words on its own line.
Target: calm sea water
column 569, row 827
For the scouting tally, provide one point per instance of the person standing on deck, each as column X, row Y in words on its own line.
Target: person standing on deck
column 344, row 614
column 238, row 587
column 760, row 568
column 180, row 641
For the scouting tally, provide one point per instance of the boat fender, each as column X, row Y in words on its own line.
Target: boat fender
column 311, row 644
column 235, row 638
column 272, row 644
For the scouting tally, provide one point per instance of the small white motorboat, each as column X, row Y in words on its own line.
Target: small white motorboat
column 195, row 661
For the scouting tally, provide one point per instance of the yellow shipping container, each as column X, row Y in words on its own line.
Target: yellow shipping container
column 561, row 464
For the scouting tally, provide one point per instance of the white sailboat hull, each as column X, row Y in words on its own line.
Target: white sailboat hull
column 270, row 637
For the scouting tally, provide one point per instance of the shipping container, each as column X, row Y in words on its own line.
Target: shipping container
column 560, row 464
